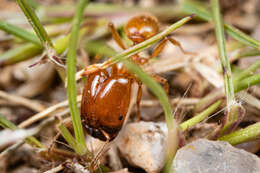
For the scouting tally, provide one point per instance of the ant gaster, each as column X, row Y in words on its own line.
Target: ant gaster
column 107, row 92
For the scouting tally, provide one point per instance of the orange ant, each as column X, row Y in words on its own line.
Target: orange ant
column 107, row 92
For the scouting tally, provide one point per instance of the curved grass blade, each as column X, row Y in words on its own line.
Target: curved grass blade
column 155, row 88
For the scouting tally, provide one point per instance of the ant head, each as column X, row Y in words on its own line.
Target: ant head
column 141, row 27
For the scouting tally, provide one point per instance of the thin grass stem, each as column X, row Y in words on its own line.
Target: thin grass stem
column 71, row 71
column 35, row 23
column 201, row 116
column 219, row 29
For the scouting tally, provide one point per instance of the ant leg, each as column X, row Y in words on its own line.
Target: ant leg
column 158, row 49
column 178, row 44
column 94, row 67
column 138, row 100
column 116, row 36
column 162, row 81
column 90, row 69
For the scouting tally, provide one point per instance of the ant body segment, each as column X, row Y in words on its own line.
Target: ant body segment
column 107, row 92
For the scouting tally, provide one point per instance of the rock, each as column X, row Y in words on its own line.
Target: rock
column 143, row 144
column 204, row 156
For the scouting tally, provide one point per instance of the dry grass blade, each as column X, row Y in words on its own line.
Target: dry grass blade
column 56, row 169
column 34, row 105
column 46, row 113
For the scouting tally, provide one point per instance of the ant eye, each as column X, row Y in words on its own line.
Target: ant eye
column 120, row 117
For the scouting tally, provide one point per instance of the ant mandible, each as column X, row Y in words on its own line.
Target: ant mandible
column 107, row 92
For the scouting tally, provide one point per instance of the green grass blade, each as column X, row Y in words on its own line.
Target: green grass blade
column 19, row 54
column 201, row 11
column 201, row 116
column 71, row 71
column 247, row 72
column 247, row 53
column 42, row 34
column 197, row 8
column 69, row 138
column 219, row 29
column 36, row 24
column 243, row 135
column 8, row 124
column 241, row 36
column 247, row 82
column 19, row 32
column 155, row 88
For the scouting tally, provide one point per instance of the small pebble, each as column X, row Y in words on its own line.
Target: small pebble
column 143, row 144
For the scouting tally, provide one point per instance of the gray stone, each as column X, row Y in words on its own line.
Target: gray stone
column 204, row 156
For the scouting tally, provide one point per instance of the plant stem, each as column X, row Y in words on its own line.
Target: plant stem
column 71, row 71
column 242, row 135
column 201, row 116
column 228, row 84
